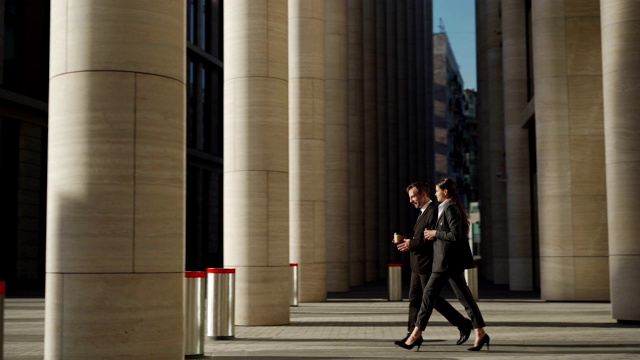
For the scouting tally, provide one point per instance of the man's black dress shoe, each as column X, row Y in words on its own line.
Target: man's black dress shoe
column 464, row 333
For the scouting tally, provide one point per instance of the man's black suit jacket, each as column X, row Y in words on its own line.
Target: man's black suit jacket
column 421, row 250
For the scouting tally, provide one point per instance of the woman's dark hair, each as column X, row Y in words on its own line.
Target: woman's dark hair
column 450, row 186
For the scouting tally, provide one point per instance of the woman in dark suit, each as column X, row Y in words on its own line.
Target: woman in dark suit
column 451, row 256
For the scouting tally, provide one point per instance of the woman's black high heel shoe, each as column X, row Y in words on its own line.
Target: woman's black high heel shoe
column 485, row 340
column 417, row 343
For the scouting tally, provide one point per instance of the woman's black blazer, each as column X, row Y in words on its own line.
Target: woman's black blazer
column 451, row 250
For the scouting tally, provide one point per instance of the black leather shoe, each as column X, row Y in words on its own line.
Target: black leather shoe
column 398, row 342
column 464, row 333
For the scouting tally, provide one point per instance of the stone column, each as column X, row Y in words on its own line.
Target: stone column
column 306, row 148
column 383, row 140
column 337, row 160
column 370, row 141
column 406, row 212
column 483, row 29
column 496, row 150
column 570, row 150
column 424, row 29
column 392, row 127
column 516, row 140
column 355, row 108
column 116, row 181
column 621, row 76
column 412, row 98
column 256, row 153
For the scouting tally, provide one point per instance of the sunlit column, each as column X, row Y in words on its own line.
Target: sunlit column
column 256, row 159
column 307, row 147
column 570, row 150
column 116, row 180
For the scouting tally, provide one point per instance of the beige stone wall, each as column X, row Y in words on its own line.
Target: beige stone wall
column 116, row 179
column 570, row 150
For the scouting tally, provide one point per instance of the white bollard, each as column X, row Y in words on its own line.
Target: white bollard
column 221, row 288
column 395, row 282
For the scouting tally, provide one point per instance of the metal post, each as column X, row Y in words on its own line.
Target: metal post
column 294, row 284
column 221, row 303
column 395, row 282
column 194, row 314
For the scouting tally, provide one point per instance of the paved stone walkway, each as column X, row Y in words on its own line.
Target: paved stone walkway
column 358, row 328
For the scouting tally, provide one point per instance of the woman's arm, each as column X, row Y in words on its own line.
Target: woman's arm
column 454, row 220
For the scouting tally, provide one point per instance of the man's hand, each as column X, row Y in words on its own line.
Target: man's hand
column 404, row 245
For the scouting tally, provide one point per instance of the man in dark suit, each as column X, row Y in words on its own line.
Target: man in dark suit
column 421, row 260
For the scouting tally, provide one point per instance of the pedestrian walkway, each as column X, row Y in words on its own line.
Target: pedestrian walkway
column 352, row 326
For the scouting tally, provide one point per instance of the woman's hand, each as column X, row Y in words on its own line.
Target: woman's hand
column 429, row 234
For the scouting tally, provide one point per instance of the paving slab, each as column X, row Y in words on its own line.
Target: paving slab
column 358, row 327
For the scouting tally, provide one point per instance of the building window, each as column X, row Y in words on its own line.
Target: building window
column 204, row 134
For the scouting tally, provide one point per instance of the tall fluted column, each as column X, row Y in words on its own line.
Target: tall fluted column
column 116, row 182
column 306, row 147
column 370, row 141
column 392, row 126
column 516, row 139
column 405, row 225
column 570, row 150
column 383, row 140
column 337, row 160
column 355, row 108
column 424, row 57
column 497, row 187
column 621, row 78
column 483, row 110
column 256, row 153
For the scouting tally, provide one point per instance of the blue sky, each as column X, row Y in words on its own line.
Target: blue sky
column 459, row 21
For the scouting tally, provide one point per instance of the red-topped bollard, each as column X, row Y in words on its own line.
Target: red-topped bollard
column 471, row 275
column 221, row 292
column 194, row 313
column 294, row 284
column 395, row 282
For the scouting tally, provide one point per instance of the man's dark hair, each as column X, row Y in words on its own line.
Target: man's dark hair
column 420, row 186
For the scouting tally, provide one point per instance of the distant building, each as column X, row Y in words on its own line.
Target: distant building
column 454, row 121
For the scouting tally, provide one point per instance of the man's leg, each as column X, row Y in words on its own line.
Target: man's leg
column 416, row 288
column 431, row 293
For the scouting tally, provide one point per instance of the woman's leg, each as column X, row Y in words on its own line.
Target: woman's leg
column 464, row 295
